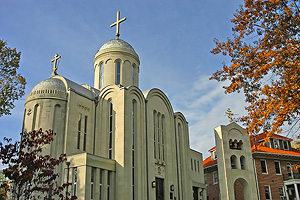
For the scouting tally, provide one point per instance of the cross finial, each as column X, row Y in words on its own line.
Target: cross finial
column 229, row 114
column 117, row 23
column 55, row 59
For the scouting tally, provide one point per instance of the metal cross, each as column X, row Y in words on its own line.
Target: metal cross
column 229, row 114
column 117, row 23
column 55, row 59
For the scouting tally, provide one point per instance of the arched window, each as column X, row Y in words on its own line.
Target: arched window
column 133, row 145
column 289, row 169
column 110, row 142
column 163, row 136
column 158, row 134
column 118, row 72
column 79, row 130
column 231, row 145
column 36, row 116
column 102, row 74
column 154, row 133
column 133, row 76
column 242, row 161
column 239, row 145
column 233, row 162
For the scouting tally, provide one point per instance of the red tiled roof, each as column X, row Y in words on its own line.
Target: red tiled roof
column 261, row 136
column 208, row 162
column 277, row 151
column 212, row 149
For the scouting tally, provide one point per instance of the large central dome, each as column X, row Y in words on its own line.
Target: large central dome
column 117, row 43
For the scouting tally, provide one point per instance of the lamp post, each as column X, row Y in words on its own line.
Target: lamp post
column 68, row 169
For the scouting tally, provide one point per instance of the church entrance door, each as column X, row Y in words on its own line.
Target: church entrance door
column 195, row 193
column 159, row 188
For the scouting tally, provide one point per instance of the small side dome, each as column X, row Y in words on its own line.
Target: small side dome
column 50, row 84
column 117, row 43
column 48, row 88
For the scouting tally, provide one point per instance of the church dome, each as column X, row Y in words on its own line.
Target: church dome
column 117, row 43
column 48, row 88
column 50, row 84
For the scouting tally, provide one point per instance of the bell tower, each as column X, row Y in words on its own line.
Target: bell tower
column 116, row 62
column 235, row 168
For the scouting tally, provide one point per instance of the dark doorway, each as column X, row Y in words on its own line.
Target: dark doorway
column 159, row 188
column 195, row 193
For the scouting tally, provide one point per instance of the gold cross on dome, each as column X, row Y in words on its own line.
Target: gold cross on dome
column 55, row 59
column 117, row 23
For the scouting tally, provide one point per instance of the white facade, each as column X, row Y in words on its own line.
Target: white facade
column 121, row 142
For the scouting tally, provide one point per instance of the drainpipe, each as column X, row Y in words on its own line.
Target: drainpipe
column 257, row 186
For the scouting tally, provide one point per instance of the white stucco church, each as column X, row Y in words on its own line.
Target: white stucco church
column 120, row 142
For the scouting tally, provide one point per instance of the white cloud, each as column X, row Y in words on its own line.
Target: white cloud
column 204, row 105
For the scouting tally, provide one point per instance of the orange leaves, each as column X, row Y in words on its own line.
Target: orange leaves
column 265, row 63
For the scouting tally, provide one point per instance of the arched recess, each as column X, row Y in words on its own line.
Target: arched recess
column 243, row 162
column 118, row 69
column 233, row 162
column 156, row 92
column 36, row 117
column 241, row 189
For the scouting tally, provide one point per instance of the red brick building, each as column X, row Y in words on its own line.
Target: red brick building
column 275, row 169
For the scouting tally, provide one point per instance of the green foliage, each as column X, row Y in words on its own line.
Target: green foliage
column 12, row 84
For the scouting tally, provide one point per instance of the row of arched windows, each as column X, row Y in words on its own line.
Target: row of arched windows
column 118, row 73
column 234, row 163
column 159, row 135
column 234, row 144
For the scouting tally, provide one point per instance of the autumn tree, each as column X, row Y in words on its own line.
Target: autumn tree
column 265, row 58
column 12, row 84
column 32, row 174
column 3, row 186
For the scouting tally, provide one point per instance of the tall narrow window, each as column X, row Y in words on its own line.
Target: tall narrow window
column 281, row 192
column 215, row 177
column 242, row 162
column 154, row 134
column 163, row 137
column 100, row 184
column 277, row 167
column 133, row 147
column 267, row 192
column 133, row 75
column 102, row 75
column 233, row 162
column 263, row 164
column 92, row 182
column 118, row 74
column 85, row 132
column 75, row 181
column 289, row 169
column 108, row 184
column 79, row 131
column 36, row 116
column 158, row 136
column 110, row 145
column 285, row 145
column 205, row 179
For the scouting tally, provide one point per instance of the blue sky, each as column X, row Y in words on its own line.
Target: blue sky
column 172, row 38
